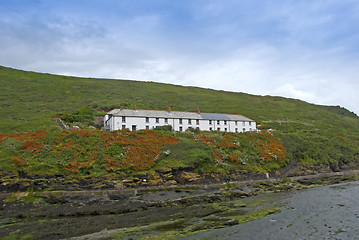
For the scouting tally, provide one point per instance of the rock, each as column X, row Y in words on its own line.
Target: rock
column 119, row 196
column 170, row 182
column 188, row 177
column 155, row 182
column 231, row 222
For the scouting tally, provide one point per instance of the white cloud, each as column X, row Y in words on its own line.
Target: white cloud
column 281, row 51
column 289, row 90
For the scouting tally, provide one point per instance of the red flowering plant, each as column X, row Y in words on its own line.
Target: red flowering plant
column 18, row 161
column 258, row 151
column 83, row 151
column 116, row 150
column 139, row 149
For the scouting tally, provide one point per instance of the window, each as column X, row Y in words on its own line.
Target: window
column 189, row 121
column 147, row 119
column 244, row 129
column 250, row 123
column 218, row 122
column 123, row 126
column 197, row 122
column 243, row 123
column 166, row 120
column 210, row 122
column 180, row 129
column 123, row 119
column 210, row 129
column 250, row 129
column 236, row 129
column 133, row 127
column 225, row 129
column 236, row 122
column 218, row 129
column 225, row 122
column 157, row 120
column 180, row 121
column 147, row 127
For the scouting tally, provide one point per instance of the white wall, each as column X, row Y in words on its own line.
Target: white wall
column 115, row 123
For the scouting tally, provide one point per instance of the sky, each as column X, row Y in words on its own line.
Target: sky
column 301, row 49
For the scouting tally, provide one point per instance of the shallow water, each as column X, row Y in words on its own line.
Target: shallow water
column 329, row 212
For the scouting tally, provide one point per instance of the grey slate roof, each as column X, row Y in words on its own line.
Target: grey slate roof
column 214, row 116
column 154, row 113
column 238, row 117
column 177, row 115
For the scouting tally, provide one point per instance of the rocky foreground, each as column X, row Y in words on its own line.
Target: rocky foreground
column 22, row 181
column 59, row 207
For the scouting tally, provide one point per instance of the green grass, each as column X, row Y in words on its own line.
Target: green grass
column 15, row 236
column 257, row 214
column 29, row 99
column 99, row 153
column 311, row 133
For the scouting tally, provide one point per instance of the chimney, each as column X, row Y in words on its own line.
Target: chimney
column 168, row 108
column 134, row 107
column 198, row 111
column 122, row 107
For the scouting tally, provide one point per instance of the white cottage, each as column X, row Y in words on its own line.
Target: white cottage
column 134, row 119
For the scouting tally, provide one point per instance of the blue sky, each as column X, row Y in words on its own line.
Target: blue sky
column 301, row 49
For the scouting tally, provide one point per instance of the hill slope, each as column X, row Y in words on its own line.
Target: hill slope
column 311, row 133
column 29, row 99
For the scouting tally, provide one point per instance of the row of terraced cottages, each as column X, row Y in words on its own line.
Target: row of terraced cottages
column 134, row 119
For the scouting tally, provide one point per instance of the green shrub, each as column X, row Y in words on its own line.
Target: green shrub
column 163, row 128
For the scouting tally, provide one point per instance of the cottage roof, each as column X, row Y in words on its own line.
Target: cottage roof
column 177, row 115
column 155, row 113
column 234, row 117
column 214, row 116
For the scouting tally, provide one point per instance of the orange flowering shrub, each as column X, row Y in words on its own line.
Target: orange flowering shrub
column 262, row 145
column 271, row 149
column 216, row 155
column 202, row 138
column 3, row 136
column 227, row 142
column 75, row 166
column 40, row 135
column 111, row 164
column 31, row 145
column 77, row 150
column 139, row 148
column 82, row 151
column 233, row 158
column 18, row 161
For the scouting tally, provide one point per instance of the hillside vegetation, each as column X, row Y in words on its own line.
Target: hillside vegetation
column 98, row 152
column 310, row 134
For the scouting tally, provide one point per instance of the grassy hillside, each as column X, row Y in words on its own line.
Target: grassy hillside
column 98, row 152
column 310, row 133
column 29, row 99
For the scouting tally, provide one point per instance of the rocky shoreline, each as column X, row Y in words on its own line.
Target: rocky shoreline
column 22, row 181
column 58, row 214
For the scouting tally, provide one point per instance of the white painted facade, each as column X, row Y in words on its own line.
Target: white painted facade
column 118, row 119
